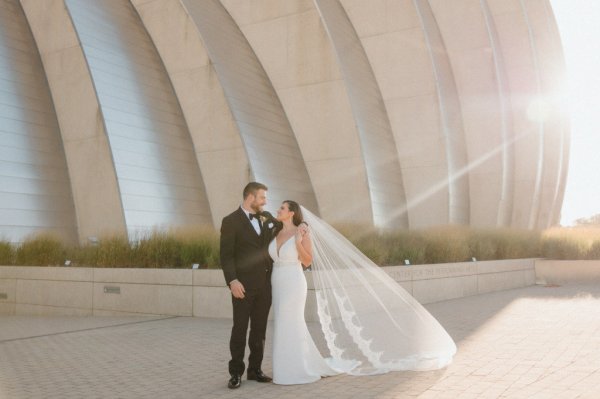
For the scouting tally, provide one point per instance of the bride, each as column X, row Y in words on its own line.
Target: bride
column 296, row 359
column 371, row 325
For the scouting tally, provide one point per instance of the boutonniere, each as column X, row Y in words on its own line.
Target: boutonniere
column 270, row 225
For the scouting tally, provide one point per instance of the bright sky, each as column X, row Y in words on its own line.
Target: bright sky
column 579, row 26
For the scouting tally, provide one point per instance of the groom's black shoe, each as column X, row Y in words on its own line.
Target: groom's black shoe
column 258, row 376
column 235, row 381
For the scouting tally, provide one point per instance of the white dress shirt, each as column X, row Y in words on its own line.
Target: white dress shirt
column 254, row 221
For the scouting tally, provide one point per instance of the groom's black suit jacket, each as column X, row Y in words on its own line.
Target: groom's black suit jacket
column 244, row 254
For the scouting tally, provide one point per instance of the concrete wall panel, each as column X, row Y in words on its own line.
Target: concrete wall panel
column 217, row 143
column 444, row 112
column 516, row 47
column 384, row 174
column 550, row 65
column 35, row 191
column 157, row 171
column 60, row 294
column 285, row 38
column 410, row 77
column 91, row 170
column 202, row 293
column 473, row 51
column 271, row 147
column 144, row 298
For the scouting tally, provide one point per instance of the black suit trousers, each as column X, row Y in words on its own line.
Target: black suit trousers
column 253, row 309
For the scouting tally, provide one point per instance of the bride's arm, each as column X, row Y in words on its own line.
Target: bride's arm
column 304, row 246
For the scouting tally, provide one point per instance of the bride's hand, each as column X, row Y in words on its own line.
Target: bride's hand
column 298, row 236
column 301, row 232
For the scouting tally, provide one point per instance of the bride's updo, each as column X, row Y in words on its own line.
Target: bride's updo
column 294, row 207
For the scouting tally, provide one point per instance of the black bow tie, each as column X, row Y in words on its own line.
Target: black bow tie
column 254, row 216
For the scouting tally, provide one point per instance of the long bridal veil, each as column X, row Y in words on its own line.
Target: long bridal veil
column 365, row 316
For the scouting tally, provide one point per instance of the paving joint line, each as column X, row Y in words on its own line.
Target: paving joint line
column 85, row 329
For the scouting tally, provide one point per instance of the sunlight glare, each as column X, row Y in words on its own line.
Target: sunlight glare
column 539, row 110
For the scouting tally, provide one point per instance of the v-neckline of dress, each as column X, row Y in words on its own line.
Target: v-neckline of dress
column 282, row 244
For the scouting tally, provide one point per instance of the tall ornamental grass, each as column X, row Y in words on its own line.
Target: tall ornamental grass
column 7, row 253
column 443, row 244
column 176, row 248
column 571, row 243
column 41, row 250
column 180, row 248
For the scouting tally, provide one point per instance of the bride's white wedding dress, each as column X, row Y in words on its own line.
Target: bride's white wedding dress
column 371, row 325
column 296, row 359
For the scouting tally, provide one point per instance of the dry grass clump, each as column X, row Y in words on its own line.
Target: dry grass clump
column 43, row 249
column 109, row 251
column 443, row 244
column 447, row 244
column 182, row 247
column 505, row 243
column 7, row 253
column 385, row 248
column 571, row 243
column 178, row 248
column 175, row 248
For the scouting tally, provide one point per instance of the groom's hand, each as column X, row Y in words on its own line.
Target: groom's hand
column 237, row 289
column 271, row 220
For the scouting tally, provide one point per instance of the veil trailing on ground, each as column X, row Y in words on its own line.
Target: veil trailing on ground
column 366, row 317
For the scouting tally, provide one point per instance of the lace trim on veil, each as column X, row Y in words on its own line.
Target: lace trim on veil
column 367, row 319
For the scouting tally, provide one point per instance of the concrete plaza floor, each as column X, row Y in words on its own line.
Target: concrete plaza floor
column 535, row 342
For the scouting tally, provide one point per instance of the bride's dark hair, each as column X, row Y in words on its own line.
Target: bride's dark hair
column 294, row 207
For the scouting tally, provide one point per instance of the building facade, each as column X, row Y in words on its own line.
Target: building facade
column 128, row 115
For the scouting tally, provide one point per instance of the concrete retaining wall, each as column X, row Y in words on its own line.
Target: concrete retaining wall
column 567, row 271
column 31, row 290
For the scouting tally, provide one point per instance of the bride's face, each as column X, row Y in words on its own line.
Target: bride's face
column 283, row 213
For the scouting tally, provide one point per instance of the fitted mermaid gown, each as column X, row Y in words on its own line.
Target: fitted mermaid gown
column 296, row 359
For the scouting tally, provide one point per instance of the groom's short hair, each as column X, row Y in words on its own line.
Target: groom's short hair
column 253, row 187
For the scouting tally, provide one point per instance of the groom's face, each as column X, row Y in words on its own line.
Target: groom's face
column 259, row 201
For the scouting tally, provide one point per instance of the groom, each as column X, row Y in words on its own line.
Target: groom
column 247, row 267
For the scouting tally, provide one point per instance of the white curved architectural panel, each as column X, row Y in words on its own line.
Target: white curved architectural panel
column 384, row 174
column 557, row 92
column 35, row 193
column 392, row 35
column 450, row 117
column 217, row 143
column 550, row 69
column 290, row 41
column 157, row 171
column 562, row 172
column 91, row 169
column 120, row 115
column 534, row 113
column 273, row 153
column 514, row 35
column 478, row 67
column 506, row 206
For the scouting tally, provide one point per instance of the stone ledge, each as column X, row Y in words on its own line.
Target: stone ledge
column 47, row 273
column 202, row 293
